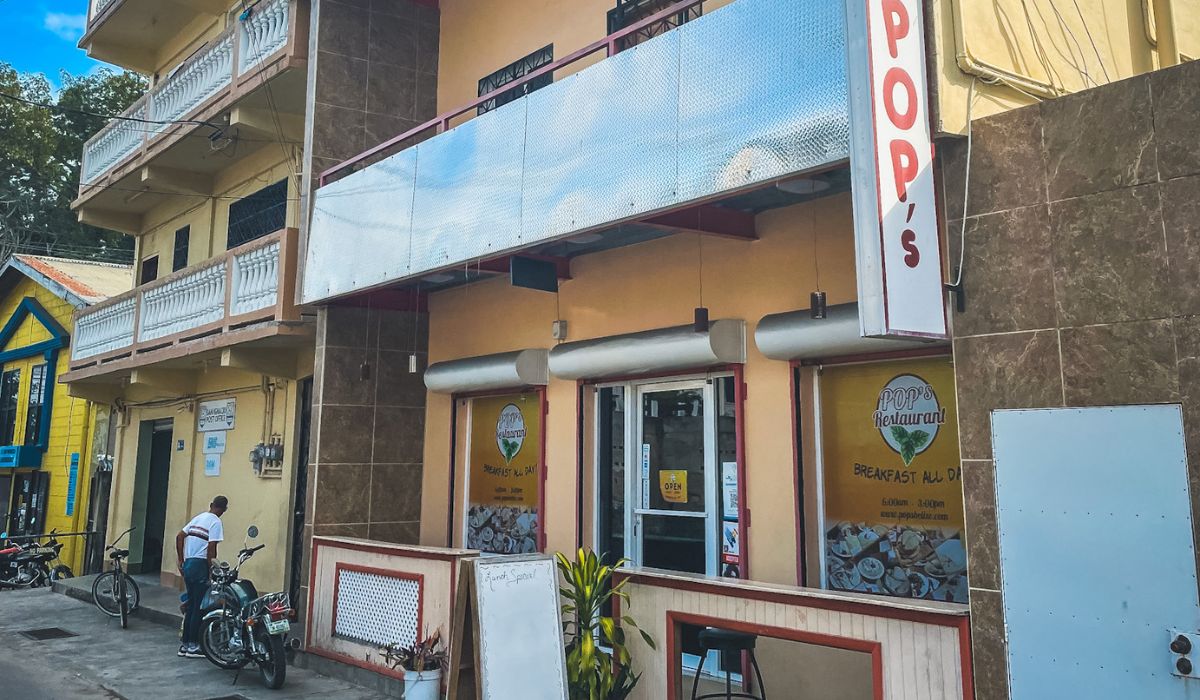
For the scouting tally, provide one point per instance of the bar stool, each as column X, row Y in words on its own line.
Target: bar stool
column 729, row 641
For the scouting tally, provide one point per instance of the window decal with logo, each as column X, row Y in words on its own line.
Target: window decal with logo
column 893, row 497
column 504, row 477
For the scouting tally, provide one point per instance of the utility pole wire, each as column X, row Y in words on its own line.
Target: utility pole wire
column 86, row 113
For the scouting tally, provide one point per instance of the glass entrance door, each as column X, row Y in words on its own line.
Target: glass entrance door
column 673, row 486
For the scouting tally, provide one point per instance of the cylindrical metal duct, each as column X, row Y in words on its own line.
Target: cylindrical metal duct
column 662, row 350
column 506, row 370
column 796, row 335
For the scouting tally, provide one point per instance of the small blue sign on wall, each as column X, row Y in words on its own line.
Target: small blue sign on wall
column 72, row 480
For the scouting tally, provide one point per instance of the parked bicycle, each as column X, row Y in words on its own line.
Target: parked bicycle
column 115, row 592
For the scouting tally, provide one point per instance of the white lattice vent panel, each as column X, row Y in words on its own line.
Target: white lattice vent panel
column 375, row 608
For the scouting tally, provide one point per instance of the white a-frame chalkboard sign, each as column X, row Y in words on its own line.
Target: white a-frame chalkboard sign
column 507, row 639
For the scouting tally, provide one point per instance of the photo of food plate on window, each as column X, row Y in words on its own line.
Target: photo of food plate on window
column 893, row 495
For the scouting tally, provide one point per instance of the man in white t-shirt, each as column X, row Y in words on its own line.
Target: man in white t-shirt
column 196, row 545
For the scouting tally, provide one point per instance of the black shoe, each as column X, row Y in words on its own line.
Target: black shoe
column 183, row 650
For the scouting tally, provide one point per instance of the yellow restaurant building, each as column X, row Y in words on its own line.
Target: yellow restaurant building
column 53, row 446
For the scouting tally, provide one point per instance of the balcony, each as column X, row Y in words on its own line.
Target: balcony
column 243, row 297
column 641, row 142
column 130, row 33
column 238, row 94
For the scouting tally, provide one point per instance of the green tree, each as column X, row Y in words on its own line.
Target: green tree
column 40, row 151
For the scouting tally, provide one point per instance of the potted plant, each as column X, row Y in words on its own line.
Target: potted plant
column 422, row 663
column 592, row 672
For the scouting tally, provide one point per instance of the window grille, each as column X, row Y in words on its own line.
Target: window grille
column 180, row 258
column 33, row 413
column 258, row 214
column 628, row 12
column 514, row 71
column 149, row 271
column 10, row 385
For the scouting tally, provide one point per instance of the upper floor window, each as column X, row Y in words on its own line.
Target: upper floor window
column 628, row 12
column 180, row 257
column 258, row 214
column 10, row 386
column 512, row 72
column 37, row 399
column 149, row 270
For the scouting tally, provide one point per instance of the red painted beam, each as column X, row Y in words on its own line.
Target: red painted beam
column 710, row 220
column 500, row 265
column 393, row 299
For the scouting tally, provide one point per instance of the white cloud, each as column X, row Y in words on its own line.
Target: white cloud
column 68, row 27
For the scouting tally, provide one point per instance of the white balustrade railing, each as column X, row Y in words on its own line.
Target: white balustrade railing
column 239, row 288
column 255, row 280
column 104, row 330
column 185, row 303
column 203, row 76
column 263, row 33
column 118, row 140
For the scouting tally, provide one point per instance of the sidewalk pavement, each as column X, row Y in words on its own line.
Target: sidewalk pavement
column 139, row 663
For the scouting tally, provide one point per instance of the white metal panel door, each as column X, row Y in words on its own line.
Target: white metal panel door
column 1096, row 552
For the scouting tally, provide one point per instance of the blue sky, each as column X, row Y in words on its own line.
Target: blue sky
column 39, row 36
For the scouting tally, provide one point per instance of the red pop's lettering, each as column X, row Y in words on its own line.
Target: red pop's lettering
column 894, row 77
column 895, row 24
column 904, row 166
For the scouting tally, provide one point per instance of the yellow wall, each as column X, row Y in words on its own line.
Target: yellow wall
column 1046, row 41
column 209, row 217
column 263, row 501
column 653, row 285
column 480, row 37
column 1070, row 44
column 71, row 419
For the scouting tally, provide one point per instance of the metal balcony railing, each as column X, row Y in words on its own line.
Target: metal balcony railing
column 751, row 93
column 237, row 52
column 249, row 284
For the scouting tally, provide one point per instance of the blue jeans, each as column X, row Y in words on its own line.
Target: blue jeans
column 195, row 576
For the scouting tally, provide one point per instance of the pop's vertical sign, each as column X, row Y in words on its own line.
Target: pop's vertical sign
column 895, row 206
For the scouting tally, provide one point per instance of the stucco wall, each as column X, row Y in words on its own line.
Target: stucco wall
column 640, row 287
column 266, row 502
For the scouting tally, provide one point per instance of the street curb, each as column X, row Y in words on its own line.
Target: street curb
column 158, row 617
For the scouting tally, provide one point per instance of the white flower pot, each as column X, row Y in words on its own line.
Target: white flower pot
column 422, row 685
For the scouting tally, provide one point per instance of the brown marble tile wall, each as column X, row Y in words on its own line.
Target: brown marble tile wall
column 1082, row 278
column 365, row 458
column 374, row 75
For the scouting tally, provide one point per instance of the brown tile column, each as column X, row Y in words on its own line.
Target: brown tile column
column 368, row 426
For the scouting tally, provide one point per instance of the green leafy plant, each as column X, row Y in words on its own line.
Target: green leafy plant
column 510, row 448
column 909, row 442
column 423, row 655
column 592, row 672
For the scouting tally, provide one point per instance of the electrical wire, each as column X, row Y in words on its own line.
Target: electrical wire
column 1066, row 29
column 136, row 190
column 962, row 240
column 86, row 113
column 1091, row 39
